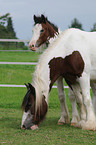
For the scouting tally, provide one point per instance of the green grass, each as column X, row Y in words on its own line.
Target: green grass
column 50, row 133
column 19, row 56
column 16, row 74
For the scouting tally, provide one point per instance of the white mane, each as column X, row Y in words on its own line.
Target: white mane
column 40, row 84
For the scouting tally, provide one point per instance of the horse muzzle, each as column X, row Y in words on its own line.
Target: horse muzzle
column 34, row 45
column 27, row 120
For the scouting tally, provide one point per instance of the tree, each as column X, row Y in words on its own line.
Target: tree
column 3, row 19
column 6, row 27
column 3, row 32
column 94, row 28
column 76, row 24
column 10, row 28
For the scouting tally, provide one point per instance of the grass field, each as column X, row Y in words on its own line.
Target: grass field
column 19, row 56
column 50, row 133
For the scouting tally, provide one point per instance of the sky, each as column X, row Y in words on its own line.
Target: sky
column 60, row 12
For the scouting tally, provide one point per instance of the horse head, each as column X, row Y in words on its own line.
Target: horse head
column 43, row 30
column 32, row 115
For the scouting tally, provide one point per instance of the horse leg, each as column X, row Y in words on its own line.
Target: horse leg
column 75, row 115
column 62, row 97
column 79, row 100
column 93, row 87
column 90, row 123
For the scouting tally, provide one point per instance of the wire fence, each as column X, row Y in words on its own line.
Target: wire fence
column 6, row 44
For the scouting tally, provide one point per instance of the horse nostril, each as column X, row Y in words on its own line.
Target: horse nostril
column 24, row 126
column 32, row 45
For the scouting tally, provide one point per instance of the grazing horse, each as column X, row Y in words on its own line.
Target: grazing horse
column 72, row 55
column 46, row 32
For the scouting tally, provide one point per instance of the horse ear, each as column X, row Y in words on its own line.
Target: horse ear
column 43, row 18
column 44, row 97
column 32, row 89
column 46, row 19
column 27, row 86
column 34, row 17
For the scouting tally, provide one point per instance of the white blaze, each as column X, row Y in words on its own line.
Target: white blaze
column 36, row 33
column 26, row 116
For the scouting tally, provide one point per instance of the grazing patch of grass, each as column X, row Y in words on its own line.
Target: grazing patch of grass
column 50, row 133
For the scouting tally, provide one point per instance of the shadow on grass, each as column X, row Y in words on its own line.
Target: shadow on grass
column 52, row 123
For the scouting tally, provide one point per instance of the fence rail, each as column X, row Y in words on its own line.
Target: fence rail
column 22, row 86
column 13, row 40
column 14, row 44
column 20, row 63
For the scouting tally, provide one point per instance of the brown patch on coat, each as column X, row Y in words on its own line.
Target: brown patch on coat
column 69, row 67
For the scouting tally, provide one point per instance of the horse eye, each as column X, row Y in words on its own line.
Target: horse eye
column 42, row 31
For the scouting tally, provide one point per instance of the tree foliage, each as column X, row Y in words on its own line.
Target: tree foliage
column 76, row 24
column 6, row 27
column 94, row 28
column 10, row 28
column 3, row 19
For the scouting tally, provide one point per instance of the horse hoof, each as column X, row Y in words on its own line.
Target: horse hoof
column 89, row 125
column 60, row 123
column 73, row 124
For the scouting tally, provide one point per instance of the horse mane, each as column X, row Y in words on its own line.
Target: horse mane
column 38, row 85
column 53, row 25
column 39, row 20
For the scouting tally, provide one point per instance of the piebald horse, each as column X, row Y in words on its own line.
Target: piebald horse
column 72, row 55
column 46, row 32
